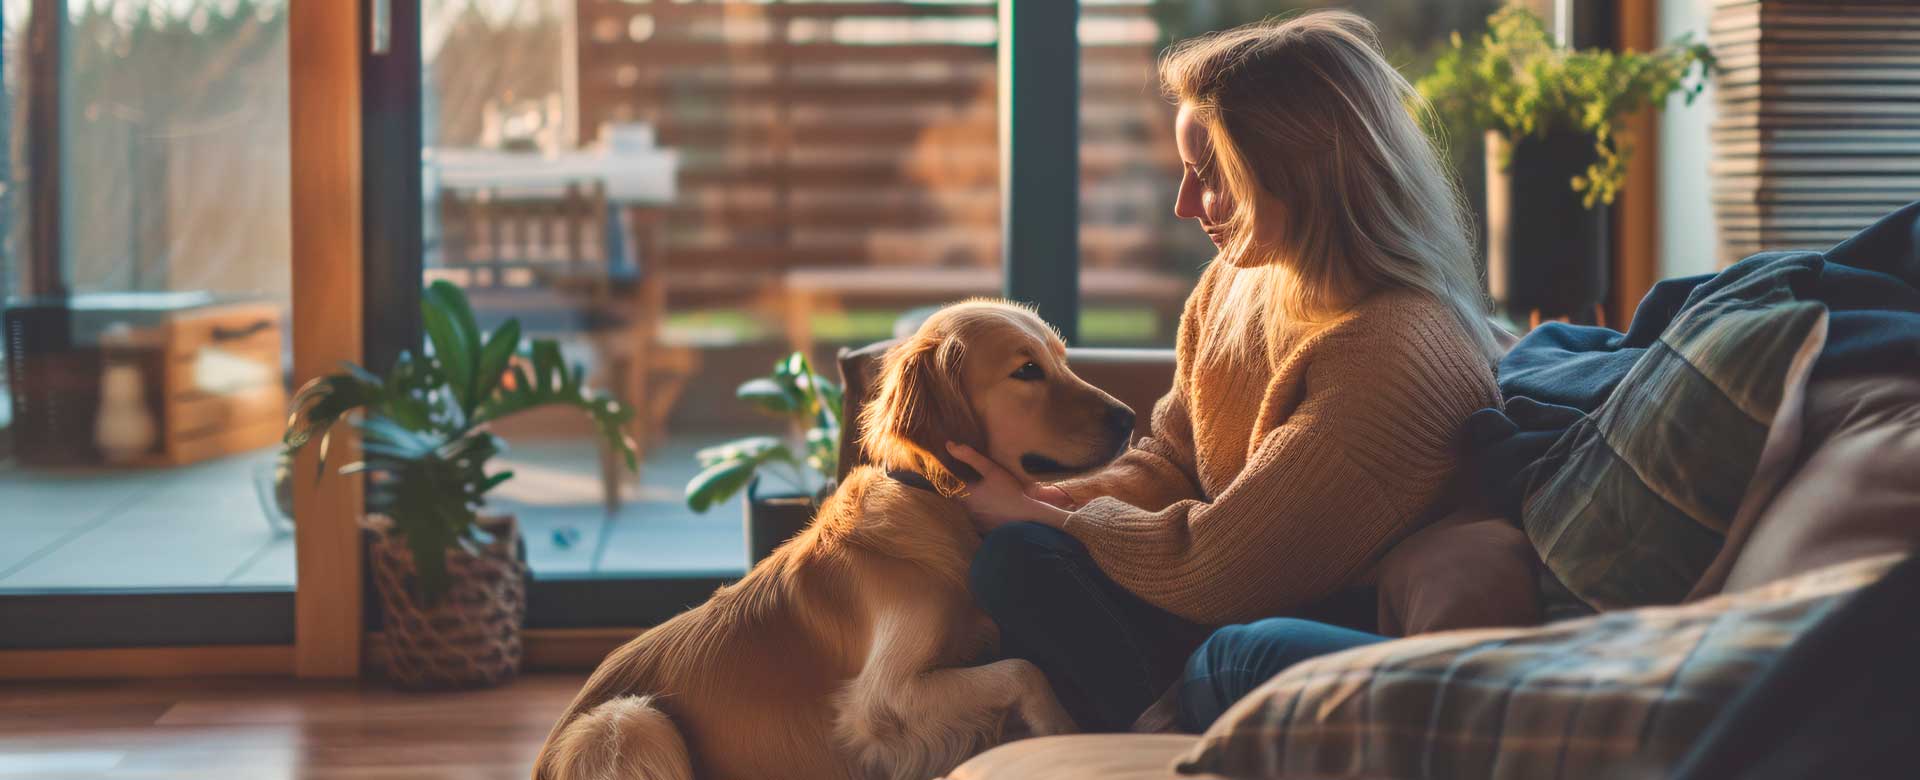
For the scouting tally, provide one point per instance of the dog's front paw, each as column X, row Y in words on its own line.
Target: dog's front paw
column 1044, row 716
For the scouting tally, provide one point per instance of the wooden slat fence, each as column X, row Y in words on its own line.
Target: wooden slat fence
column 862, row 134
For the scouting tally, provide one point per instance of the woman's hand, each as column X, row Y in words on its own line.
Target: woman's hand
column 1000, row 497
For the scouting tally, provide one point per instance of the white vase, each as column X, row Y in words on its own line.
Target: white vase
column 124, row 430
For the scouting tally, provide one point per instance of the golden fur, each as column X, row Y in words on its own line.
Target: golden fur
column 849, row 652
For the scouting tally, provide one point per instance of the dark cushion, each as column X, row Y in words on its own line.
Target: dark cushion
column 1620, row 695
column 1646, row 487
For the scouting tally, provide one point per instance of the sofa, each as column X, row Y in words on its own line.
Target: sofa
column 1835, row 506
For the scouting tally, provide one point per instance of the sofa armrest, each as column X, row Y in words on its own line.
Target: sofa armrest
column 1138, row 377
column 1084, row 757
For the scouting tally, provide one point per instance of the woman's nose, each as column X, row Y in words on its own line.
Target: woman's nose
column 1186, row 205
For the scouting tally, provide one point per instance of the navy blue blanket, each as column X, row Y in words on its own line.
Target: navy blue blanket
column 1870, row 284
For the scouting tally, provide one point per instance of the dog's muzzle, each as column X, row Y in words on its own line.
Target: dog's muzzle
column 1119, row 424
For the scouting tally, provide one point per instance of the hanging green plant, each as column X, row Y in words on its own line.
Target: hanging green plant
column 1516, row 82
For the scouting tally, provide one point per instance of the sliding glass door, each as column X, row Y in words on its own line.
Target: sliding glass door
column 144, row 209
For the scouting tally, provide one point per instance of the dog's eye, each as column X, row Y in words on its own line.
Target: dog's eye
column 1029, row 372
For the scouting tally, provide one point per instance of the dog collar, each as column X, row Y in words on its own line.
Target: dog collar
column 912, row 479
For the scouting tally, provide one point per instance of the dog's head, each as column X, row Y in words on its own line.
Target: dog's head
column 993, row 376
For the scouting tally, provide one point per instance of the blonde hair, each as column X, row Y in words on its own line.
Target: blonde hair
column 1335, row 191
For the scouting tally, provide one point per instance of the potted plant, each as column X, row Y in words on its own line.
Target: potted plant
column 451, row 580
column 811, row 404
column 1555, row 158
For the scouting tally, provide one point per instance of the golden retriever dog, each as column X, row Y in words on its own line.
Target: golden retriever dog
column 854, row 650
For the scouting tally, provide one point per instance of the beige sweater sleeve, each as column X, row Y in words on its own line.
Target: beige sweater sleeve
column 1325, row 492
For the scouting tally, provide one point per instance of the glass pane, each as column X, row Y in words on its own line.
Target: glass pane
column 146, row 332
column 1138, row 261
column 682, row 193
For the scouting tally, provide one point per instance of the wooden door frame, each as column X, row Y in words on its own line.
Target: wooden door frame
column 323, row 39
column 1636, row 221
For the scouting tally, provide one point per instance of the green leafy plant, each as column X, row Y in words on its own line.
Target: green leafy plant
column 1515, row 81
column 423, row 426
column 809, row 402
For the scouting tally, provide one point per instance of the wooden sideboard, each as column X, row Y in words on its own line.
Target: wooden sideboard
column 211, row 376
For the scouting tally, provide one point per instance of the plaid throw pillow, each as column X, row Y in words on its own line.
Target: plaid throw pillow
column 1644, row 489
column 1618, row 695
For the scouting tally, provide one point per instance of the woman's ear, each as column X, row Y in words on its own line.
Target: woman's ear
column 920, row 406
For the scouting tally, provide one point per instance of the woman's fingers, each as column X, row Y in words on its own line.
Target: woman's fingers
column 972, row 457
column 1051, row 494
column 1000, row 497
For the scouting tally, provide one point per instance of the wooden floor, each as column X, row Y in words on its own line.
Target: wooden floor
column 239, row 729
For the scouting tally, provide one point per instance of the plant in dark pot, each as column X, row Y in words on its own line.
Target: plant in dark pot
column 451, row 578
column 802, row 460
column 1555, row 158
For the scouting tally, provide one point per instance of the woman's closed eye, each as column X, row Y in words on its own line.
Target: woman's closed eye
column 1029, row 372
column 1198, row 176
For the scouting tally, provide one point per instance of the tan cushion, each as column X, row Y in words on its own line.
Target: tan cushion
column 1137, row 377
column 1856, row 491
column 1082, row 757
column 1468, row 570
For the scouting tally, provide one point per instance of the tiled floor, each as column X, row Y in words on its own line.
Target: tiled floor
column 555, row 493
column 202, row 527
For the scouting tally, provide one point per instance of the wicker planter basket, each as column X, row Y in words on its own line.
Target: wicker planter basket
column 470, row 638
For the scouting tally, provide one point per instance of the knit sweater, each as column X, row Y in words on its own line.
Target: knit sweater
column 1270, row 483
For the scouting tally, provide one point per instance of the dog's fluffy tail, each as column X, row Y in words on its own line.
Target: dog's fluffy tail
column 625, row 738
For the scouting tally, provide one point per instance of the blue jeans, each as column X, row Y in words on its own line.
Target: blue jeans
column 1237, row 659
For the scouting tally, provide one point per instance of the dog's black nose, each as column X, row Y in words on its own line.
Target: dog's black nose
column 1120, row 419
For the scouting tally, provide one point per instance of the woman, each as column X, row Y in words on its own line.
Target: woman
column 1325, row 362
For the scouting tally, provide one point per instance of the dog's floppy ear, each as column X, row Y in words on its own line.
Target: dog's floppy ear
column 919, row 407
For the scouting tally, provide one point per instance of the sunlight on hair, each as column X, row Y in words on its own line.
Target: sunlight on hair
column 1337, row 192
